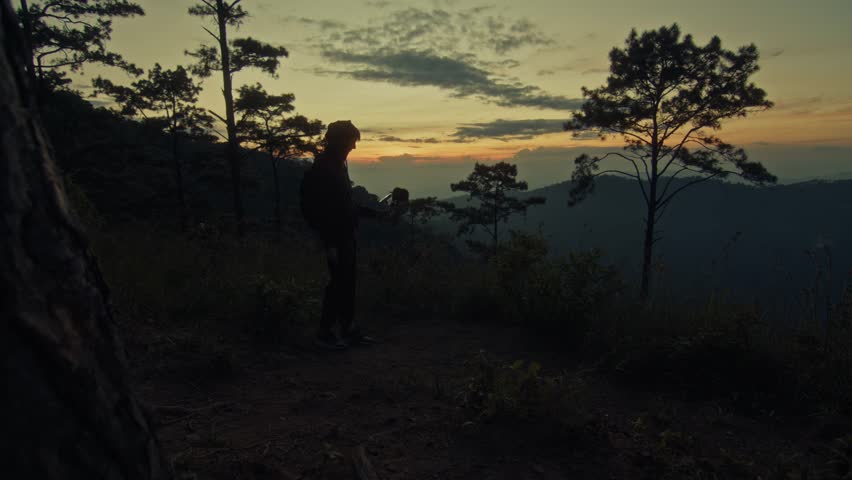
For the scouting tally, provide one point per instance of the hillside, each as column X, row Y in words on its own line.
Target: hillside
column 721, row 235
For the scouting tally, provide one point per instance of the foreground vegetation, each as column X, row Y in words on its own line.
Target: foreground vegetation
column 228, row 301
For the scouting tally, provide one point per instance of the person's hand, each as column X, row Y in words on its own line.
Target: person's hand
column 382, row 209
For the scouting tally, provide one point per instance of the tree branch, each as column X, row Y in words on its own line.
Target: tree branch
column 666, row 200
column 211, row 33
column 222, row 119
column 598, row 174
column 676, row 151
column 635, row 167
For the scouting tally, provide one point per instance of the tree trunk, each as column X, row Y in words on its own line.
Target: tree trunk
column 67, row 410
column 230, row 123
column 277, row 194
column 496, row 240
column 179, row 180
column 27, row 23
column 648, row 247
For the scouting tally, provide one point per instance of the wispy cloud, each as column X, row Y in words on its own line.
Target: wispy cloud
column 426, row 68
column 509, row 129
column 465, row 52
column 320, row 23
column 392, row 138
column 473, row 29
column 775, row 52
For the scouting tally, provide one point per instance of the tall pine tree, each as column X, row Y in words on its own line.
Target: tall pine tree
column 230, row 56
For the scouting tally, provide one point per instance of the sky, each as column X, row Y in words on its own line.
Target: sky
column 437, row 85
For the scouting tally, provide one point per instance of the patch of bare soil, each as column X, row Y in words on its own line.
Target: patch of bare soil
column 227, row 413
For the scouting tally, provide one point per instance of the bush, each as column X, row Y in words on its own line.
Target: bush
column 208, row 281
column 286, row 311
column 559, row 297
column 515, row 391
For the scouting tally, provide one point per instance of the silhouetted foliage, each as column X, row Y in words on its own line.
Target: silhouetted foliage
column 422, row 210
column 664, row 97
column 264, row 124
column 165, row 102
column 70, row 33
column 491, row 187
column 558, row 297
column 230, row 57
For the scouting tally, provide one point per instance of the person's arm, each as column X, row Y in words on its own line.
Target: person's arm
column 366, row 212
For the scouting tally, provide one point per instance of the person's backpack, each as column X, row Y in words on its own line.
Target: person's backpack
column 311, row 199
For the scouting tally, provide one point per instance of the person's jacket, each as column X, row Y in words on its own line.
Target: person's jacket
column 338, row 213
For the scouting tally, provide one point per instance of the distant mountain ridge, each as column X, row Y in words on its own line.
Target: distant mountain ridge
column 716, row 235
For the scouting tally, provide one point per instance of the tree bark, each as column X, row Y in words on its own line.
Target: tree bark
column 230, row 122
column 67, row 411
column 647, row 256
column 277, row 181
column 648, row 247
column 27, row 23
column 179, row 179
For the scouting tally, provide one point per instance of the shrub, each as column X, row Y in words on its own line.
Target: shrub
column 558, row 297
column 211, row 282
column 514, row 391
column 286, row 311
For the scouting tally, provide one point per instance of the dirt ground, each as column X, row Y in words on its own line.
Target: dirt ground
column 303, row 414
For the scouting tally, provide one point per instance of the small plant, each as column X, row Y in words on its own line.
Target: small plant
column 513, row 391
column 283, row 308
column 838, row 465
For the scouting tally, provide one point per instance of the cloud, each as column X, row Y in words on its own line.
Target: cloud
column 463, row 51
column 426, row 68
column 454, row 31
column 555, row 70
column 404, row 159
column 509, row 129
column 378, row 4
column 800, row 106
column 323, row 24
column 391, row 138
column 427, row 175
column 432, row 175
column 583, row 65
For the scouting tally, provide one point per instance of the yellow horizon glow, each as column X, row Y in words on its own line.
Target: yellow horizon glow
column 805, row 68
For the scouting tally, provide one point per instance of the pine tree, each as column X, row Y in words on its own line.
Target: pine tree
column 230, row 57
column 664, row 97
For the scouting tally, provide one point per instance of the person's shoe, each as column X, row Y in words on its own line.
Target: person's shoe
column 358, row 338
column 329, row 341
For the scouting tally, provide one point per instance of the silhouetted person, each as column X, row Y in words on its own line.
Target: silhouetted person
column 328, row 207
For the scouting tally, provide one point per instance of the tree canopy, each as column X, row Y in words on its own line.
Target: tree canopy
column 491, row 186
column 665, row 97
column 166, row 99
column 66, row 34
column 230, row 57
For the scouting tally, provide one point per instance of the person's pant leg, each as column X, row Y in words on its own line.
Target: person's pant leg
column 346, row 283
column 331, row 298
